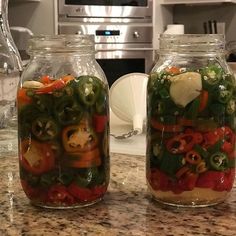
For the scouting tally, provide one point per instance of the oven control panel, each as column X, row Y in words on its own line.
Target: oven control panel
column 111, row 33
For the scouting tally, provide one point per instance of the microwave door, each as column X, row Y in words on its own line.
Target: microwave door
column 129, row 9
column 137, row 3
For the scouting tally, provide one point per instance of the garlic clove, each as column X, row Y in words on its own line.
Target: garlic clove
column 185, row 87
column 32, row 84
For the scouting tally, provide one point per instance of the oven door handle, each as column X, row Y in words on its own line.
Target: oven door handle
column 125, row 49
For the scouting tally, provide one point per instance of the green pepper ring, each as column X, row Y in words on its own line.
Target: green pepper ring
column 88, row 89
column 44, row 128
column 219, row 161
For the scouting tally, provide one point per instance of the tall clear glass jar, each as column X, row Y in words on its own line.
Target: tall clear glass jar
column 10, row 69
column 191, row 122
column 63, row 122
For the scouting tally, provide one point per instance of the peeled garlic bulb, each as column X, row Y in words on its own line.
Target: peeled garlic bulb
column 185, row 87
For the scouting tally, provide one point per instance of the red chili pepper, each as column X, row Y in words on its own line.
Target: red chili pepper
column 229, row 139
column 209, row 179
column 22, row 97
column 185, row 122
column 188, row 182
column 80, row 193
column 181, row 143
column 99, row 191
column 100, row 122
column 198, row 137
column 203, row 100
column 158, row 180
column 193, row 158
column 173, row 70
column 225, row 183
column 166, row 128
column 210, row 138
column 57, row 84
column 46, row 79
column 42, row 153
column 182, row 171
column 59, row 193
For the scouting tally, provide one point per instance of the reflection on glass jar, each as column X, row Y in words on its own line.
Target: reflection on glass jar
column 190, row 125
column 63, row 116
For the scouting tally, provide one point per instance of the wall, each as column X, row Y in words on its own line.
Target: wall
column 37, row 16
column 163, row 15
column 194, row 16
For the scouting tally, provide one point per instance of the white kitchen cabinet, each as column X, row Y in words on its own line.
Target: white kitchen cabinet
column 173, row 2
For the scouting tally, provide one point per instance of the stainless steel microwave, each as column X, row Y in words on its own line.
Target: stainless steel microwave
column 139, row 9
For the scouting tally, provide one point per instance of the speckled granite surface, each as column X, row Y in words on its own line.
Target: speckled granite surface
column 127, row 209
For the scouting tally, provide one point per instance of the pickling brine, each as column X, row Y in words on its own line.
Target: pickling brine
column 191, row 103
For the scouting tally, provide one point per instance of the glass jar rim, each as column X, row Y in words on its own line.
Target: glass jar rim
column 61, row 43
column 192, row 43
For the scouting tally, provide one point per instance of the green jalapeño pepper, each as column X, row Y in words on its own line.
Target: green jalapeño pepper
column 211, row 75
column 101, row 103
column 224, row 92
column 44, row 128
column 44, row 103
column 219, row 161
column 231, row 107
column 89, row 88
column 67, row 110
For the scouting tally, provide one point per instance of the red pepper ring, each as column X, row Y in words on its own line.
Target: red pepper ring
column 198, row 137
column 193, row 158
column 181, row 143
column 182, row 171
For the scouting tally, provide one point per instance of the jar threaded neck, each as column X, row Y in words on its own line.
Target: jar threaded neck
column 192, row 43
column 61, row 44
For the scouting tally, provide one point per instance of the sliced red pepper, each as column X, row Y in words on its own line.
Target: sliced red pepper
column 173, row 70
column 210, row 138
column 226, row 182
column 100, row 122
column 59, row 194
column 209, row 179
column 186, row 122
column 181, row 143
column 182, row 171
column 198, row 137
column 68, row 78
column 158, row 180
column 22, row 97
column 80, row 193
column 193, row 158
column 46, row 79
column 99, row 190
column 57, row 84
column 164, row 127
column 41, row 155
column 188, row 182
column 224, row 133
column 203, row 100
column 229, row 139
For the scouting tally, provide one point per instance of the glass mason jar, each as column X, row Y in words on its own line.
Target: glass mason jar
column 10, row 69
column 191, row 122
column 63, row 122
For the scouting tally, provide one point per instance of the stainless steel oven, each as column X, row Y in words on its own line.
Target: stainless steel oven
column 108, row 10
column 120, row 49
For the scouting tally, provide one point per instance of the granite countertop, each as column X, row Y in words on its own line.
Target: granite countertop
column 127, row 209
